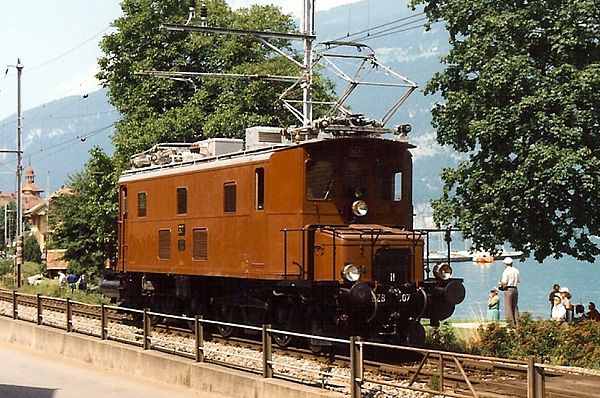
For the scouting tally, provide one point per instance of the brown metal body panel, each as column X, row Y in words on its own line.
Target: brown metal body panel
column 267, row 243
column 358, row 244
column 244, row 243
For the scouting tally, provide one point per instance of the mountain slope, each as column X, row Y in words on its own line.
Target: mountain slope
column 56, row 138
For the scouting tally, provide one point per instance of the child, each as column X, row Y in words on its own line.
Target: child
column 493, row 306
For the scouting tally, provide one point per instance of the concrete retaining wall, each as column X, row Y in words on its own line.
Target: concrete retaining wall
column 153, row 365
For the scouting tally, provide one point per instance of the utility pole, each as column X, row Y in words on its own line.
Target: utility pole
column 19, row 210
column 308, row 26
column 19, row 258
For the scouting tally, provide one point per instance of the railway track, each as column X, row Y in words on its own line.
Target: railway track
column 489, row 377
column 460, row 375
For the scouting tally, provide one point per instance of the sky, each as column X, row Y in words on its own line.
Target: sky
column 57, row 44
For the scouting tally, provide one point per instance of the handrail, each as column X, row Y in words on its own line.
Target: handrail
column 357, row 379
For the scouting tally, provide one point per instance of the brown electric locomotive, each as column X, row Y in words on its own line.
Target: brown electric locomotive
column 309, row 230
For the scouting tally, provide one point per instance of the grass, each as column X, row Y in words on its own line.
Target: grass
column 47, row 287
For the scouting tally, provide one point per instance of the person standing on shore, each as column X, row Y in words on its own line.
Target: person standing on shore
column 566, row 300
column 510, row 278
column 553, row 293
column 493, row 306
column 559, row 312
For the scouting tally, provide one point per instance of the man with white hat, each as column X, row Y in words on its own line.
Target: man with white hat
column 510, row 278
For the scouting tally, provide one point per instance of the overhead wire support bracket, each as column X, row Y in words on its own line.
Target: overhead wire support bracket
column 236, row 32
column 183, row 75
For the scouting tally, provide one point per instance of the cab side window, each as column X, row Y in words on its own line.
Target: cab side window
column 259, row 188
column 142, row 204
column 181, row 200
column 229, row 197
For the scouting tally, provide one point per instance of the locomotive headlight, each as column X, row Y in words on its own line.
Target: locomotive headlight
column 351, row 273
column 442, row 271
column 360, row 208
column 359, row 193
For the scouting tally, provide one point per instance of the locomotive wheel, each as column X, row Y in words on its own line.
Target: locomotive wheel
column 416, row 334
column 225, row 315
column 284, row 314
column 156, row 319
column 316, row 327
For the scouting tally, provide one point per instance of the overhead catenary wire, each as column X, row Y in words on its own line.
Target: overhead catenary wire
column 70, row 116
column 398, row 29
column 374, row 28
column 80, row 138
column 61, row 146
column 35, row 67
column 65, row 53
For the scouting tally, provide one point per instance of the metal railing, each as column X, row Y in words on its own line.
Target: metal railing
column 355, row 379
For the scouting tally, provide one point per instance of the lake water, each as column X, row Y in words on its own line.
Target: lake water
column 582, row 279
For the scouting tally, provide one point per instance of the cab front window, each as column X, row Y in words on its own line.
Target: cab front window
column 319, row 179
column 390, row 185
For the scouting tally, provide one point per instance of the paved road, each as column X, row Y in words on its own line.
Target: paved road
column 29, row 374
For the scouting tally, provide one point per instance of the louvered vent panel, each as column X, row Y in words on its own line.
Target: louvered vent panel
column 164, row 244
column 268, row 136
column 200, row 243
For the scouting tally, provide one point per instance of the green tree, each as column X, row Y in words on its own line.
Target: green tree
column 31, row 249
column 522, row 101
column 166, row 110
column 84, row 221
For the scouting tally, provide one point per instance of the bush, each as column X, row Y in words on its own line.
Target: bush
column 577, row 344
column 444, row 338
column 494, row 341
column 31, row 250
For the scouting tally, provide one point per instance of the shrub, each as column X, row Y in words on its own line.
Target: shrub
column 494, row 340
column 444, row 338
column 31, row 250
column 577, row 344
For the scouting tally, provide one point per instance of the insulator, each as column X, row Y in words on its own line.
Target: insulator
column 203, row 11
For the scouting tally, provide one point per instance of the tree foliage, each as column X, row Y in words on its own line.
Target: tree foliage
column 31, row 249
column 166, row 110
column 522, row 102
column 84, row 221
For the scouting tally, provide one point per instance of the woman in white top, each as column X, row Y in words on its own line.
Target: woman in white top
column 559, row 312
column 565, row 296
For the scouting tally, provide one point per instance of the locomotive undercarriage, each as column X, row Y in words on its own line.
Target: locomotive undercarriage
column 318, row 308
